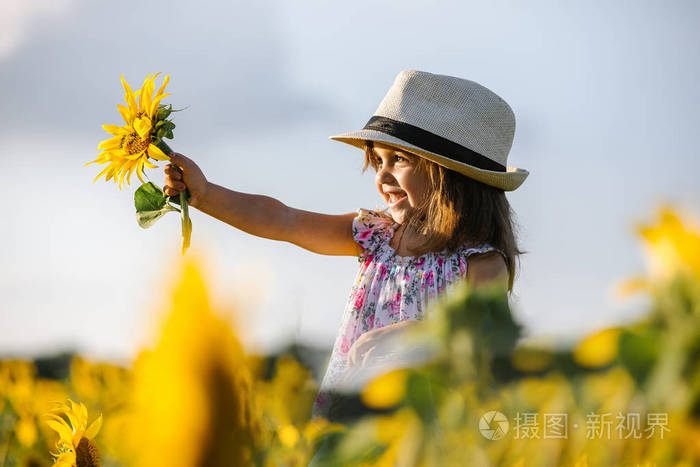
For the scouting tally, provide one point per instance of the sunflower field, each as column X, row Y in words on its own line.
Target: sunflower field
column 624, row 395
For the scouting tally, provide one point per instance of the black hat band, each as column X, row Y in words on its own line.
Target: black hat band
column 432, row 142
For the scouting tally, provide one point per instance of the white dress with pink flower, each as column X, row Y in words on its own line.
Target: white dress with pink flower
column 388, row 288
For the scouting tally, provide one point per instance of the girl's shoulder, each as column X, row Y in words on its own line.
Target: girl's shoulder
column 484, row 249
column 371, row 228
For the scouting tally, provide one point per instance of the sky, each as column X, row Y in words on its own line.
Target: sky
column 605, row 96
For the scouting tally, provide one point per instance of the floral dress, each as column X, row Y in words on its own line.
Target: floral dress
column 388, row 288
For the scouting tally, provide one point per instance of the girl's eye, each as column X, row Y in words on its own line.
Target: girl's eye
column 378, row 161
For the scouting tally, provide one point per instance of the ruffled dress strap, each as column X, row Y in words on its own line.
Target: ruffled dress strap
column 467, row 251
column 371, row 231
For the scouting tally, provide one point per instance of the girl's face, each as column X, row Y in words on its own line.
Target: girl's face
column 399, row 181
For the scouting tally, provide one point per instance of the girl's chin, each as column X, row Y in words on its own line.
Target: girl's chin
column 398, row 214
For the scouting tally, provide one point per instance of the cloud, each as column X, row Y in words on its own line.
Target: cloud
column 228, row 61
column 18, row 17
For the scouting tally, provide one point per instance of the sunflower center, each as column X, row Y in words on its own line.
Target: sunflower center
column 87, row 454
column 134, row 144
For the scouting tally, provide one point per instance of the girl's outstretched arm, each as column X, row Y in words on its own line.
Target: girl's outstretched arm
column 261, row 215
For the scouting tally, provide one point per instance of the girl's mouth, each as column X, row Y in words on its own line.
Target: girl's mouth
column 395, row 198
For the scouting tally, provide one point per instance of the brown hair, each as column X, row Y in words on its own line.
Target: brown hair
column 459, row 210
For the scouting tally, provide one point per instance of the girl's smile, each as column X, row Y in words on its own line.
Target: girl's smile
column 398, row 180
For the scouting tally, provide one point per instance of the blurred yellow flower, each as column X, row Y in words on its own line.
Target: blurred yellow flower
column 672, row 243
column 26, row 431
column 385, row 391
column 290, row 395
column 289, row 435
column 29, row 397
column 75, row 444
column 192, row 393
column 319, row 426
column 631, row 286
column 598, row 349
column 131, row 145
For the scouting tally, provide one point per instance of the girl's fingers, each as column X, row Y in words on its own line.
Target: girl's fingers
column 351, row 357
column 366, row 357
column 170, row 192
column 179, row 159
column 173, row 173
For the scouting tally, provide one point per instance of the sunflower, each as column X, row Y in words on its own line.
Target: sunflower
column 193, row 399
column 131, row 145
column 76, row 447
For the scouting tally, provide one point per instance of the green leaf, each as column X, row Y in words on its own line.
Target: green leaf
column 151, row 204
column 163, row 111
column 419, row 396
column 639, row 350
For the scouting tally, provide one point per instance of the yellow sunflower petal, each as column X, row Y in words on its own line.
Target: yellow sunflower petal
column 149, row 165
column 117, row 130
column 83, row 416
column 110, row 171
column 74, row 406
column 141, row 92
column 101, row 173
column 126, row 114
column 74, row 421
column 59, row 405
column 118, row 167
column 147, row 94
column 165, row 83
column 129, row 96
column 62, row 428
column 137, row 97
column 156, row 101
column 76, row 417
column 159, row 95
column 155, row 152
column 131, row 170
column 142, row 126
column 94, row 428
column 104, row 157
column 66, row 459
column 123, row 174
column 139, row 170
column 110, row 143
column 136, row 156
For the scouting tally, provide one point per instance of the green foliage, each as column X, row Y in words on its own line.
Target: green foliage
column 639, row 350
column 162, row 128
column 151, row 204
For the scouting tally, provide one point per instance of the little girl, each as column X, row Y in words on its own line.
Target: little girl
column 439, row 146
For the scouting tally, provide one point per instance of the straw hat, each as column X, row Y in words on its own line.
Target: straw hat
column 453, row 122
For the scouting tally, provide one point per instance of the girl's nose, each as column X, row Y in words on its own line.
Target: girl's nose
column 384, row 176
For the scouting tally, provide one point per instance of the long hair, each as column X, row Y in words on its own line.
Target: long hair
column 459, row 210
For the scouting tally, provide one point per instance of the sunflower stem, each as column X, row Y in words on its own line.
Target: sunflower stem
column 186, row 223
column 184, row 213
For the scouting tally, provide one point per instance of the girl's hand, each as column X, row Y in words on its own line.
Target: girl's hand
column 191, row 179
column 376, row 343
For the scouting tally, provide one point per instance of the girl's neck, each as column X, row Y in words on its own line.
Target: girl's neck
column 406, row 241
